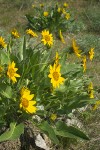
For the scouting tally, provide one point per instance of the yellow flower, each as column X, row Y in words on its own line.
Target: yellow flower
column 63, row 11
column 67, row 16
column 76, row 49
column 53, row 117
column 12, row 72
column 41, row 5
column 55, row 75
column 2, row 42
column 57, row 59
column 96, row 105
column 31, row 33
column 33, row 5
column 91, row 53
column 84, row 63
column 23, row 90
column 65, row 5
column 61, row 37
column 59, row 9
column 1, row 69
column 47, row 38
column 15, row 33
column 90, row 90
column 45, row 13
column 26, row 101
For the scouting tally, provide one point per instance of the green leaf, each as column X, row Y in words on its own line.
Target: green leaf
column 22, row 49
column 47, row 129
column 68, row 131
column 45, row 59
column 71, row 68
column 7, row 92
column 4, row 58
column 13, row 133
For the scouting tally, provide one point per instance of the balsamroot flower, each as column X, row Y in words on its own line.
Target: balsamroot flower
column 76, row 49
column 33, row 6
column 47, row 38
column 84, row 63
column 91, row 53
column 67, row 16
column 63, row 10
column 31, row 33
column 1, row 70
column 65, row 5
column 15, row 33
column 57, row 59
column 45, row 13
column 26, row 101
column 61, row 37
column 97, row 104
column 2, row 42
column 55, row 75
column 53, row 117
column 90, row 90
column 12, row 72
column 41, row 5
column 59, row 10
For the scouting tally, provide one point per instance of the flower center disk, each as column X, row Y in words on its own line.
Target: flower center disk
column 25, row 102
column 55, row 76
column 12, row 72
column 47, row 38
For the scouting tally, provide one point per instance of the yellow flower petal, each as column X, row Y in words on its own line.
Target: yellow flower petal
column 55, row 76
column 91, row 53
column 31, row 33
column 26, row 101
column 15, row 33
column 47, row 38
column 2, row 42
column 76, row 49
column 11, row 72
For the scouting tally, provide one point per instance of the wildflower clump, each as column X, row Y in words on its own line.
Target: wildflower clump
column 53, row 18
column 59, row 85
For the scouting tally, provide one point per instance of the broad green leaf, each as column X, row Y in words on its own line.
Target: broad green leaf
column 47, row 129
column 69, row 131
column 45, row 59
column 22, row 49
column 13, row 133
column 4, row 58
column 7, row 92
column 71, row 68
